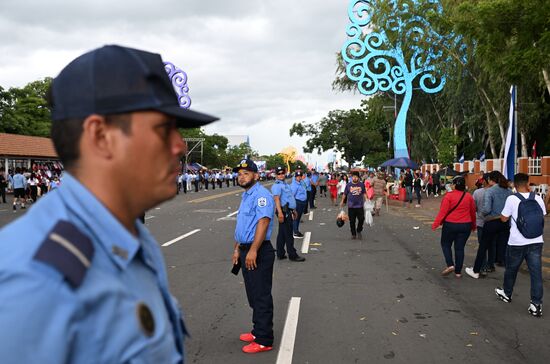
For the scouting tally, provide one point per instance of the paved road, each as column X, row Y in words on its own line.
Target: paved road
column 380, row 299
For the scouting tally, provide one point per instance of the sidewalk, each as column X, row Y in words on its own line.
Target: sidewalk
column 425, row 215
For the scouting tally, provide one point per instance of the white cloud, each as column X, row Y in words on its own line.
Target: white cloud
column 259, row 65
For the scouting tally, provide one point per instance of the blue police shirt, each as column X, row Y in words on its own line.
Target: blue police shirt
column 256, row 203
column 19, row 181
column 78, row 287
column 307, row 183
column 298, row 190
column 282, row 189
column 314, row 178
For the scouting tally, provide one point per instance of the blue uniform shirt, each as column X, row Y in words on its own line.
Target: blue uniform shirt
column 314, row 178
column 298, row 190
column 307, row 183
column 282, row 189
column 78, row 287
column 256, row 203
column 19, row 181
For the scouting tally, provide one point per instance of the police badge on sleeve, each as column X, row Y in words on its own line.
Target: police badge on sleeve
column 262, row 202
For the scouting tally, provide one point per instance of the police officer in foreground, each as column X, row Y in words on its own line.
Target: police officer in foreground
column 83, row 281
column 285, row 205
column 254, row 252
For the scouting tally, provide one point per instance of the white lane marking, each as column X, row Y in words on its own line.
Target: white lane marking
column 157, row 208
column 286, row 348
column 181, row 237
column 149, row 217
column 228, row 216
column 311, row 216
column 305, row 243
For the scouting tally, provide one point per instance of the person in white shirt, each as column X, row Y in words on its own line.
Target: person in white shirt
column 521, row 247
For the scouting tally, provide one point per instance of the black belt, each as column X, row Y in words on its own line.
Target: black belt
column 247, row 246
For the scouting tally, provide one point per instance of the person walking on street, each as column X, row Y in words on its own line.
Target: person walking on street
column 417, row 184
column 408, row 185
column 495, row 231
column 19, row 186
column 479, row 193
column 3, row 185
column 436, row 179
column 379, row 186
column 457, row 215
column 255, row 255
column 83, row 280
column 333, row 188
column 356, row 195
column 300, row 195
column 285, row 207
column 306, row 181
column 314, row 179
column 527, row 211
column 323, row 178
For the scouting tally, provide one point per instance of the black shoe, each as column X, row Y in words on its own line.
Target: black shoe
column 282, row 258
column 353, row 237
column 297, row 259
column 298, row 235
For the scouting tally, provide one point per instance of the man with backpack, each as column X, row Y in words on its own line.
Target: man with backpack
column 526, row 210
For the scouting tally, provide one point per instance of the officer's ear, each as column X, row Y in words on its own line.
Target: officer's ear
column 97, row 137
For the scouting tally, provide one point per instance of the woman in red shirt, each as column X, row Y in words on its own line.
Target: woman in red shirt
column 333, row 188
column 458, row 217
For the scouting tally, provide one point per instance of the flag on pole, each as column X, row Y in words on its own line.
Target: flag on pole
column 510, row 149
column 534, row 150
column 461, row 159
column 482, row 157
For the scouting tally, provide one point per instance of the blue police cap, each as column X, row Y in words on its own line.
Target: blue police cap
column 115, row 79
column 247, row 164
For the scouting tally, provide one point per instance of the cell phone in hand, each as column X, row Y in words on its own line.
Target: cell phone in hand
column 236, row 268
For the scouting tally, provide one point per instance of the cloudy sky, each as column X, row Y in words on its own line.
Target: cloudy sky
column 258, row 65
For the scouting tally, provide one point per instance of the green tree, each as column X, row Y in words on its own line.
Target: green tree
column 351, row 132
column 447, row 141
column 25, row 110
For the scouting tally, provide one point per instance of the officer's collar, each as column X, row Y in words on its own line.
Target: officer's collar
column 251, row 189
column 117, row 241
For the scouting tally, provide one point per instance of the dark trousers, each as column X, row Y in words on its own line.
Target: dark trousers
column 206, row 185
column 285, row 237
column 312, row 197
column 227, row 183
column 196, row 186
column 234, row 182
column 300, row 207
column 220, row 183
column 3, row 194
column 418, row 191
column 514, row 257
column 323, row 191
column 184, row 185
column 457, row 234
column 306, row 208
column 494, row 238
column 437, row 188
column 34, row 193
column 356, row 214
column 213, row 184
column 258, row 283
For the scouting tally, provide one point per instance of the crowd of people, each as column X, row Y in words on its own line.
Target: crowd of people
column 509, row 220
column 28, row 185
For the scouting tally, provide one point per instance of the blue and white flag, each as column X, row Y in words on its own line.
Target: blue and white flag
column 482, row 157
column 510, row 149
column 461, row 159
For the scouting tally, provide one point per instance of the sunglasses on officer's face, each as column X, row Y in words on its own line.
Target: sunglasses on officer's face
column 280, row 173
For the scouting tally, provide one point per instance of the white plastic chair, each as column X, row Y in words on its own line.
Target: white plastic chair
column 543, row 190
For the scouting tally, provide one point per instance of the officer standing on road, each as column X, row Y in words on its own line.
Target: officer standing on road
column 82, row 279
column 254, row 252
column 285, row 205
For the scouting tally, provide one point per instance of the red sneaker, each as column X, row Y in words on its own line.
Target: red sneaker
column 248, row 337
column 254, row 348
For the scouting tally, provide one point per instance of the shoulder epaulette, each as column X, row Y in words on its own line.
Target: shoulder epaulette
column 68, row 251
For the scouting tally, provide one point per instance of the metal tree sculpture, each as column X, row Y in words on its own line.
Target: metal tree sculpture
column 179, row 81
column 396, row 53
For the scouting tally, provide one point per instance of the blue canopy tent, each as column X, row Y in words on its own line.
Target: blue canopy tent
column 401, row 162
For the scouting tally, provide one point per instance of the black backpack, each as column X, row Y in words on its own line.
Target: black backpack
column 530, row 221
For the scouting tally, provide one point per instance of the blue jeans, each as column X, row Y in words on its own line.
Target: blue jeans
column 479, row 237
column 514, row 257
column 408, row 189
column 300, row 206
column 457, row 233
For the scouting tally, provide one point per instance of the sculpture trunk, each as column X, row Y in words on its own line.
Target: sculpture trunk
column 400, row 131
